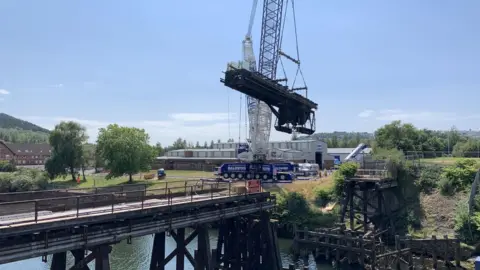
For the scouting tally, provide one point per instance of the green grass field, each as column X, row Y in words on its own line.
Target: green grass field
column 99, row 180
column 445, row 160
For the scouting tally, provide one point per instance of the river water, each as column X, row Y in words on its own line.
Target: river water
column 136, row 256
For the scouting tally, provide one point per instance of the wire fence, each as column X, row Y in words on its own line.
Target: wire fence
column 441, row 154
column 100, row 201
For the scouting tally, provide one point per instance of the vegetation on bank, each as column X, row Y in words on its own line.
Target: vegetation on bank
column 23, row 180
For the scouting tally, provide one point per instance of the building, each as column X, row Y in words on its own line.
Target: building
column 25, row 153
column 206, row 159
column 341, row 153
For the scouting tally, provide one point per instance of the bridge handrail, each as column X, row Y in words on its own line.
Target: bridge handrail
column 74, row 204
column 90, row 190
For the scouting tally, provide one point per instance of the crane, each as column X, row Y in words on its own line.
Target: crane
column 265, row 93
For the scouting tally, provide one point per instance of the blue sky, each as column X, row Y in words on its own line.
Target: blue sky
column 156, row 64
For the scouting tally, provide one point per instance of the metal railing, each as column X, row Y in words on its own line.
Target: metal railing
column 372, row 174
column 70, row 207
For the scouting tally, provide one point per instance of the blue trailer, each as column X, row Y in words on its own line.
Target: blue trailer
column 264, row 172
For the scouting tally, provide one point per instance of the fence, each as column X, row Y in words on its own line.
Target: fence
column 354, row 247
column 44, row 209
column 440, row 154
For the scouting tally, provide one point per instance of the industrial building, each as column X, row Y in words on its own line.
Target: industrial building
column 206, row 159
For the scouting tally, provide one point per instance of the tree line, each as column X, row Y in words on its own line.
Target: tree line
column 15, row 135
column 119, row 150
column 409, row 139
column 181, row 143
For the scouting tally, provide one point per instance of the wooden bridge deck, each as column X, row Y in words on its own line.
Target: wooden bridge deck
column 81, row 226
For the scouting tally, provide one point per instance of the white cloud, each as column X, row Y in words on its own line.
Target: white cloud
column 192, row 127
column 197, row 117
column 366, row 113
column 4, row 92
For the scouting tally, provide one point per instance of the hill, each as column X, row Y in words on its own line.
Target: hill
column 10, row 122
column 15, row 130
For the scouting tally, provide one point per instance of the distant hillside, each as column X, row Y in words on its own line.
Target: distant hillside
column 10, row 122
column 19, row 131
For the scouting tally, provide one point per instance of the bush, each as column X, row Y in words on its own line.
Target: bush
column 7, row 166
column 447, row 186
column 322, row 196
column 338, row 181
column 23, row 180
column 429, row 178
column 466, row 226
column 348, row 169
column 458, row 176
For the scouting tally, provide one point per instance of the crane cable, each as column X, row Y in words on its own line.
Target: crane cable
column 240, row 121
column 299, row 70
column 228, row 114
column 281, row 39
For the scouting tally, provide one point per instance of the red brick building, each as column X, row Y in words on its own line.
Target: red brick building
column 25, row 153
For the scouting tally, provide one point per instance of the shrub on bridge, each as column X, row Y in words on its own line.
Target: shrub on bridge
column 347, row 169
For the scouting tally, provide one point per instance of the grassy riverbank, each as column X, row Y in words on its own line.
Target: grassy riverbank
column 99, row 180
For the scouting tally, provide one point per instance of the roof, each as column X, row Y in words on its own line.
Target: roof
column 24, row 149
column 346, row 150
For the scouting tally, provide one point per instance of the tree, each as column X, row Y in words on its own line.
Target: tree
column 211, row 144
column 179, row 144
column 205, row 145
column 230, row 140
column 66, row 140
column 125, row 150
column 197, row 145
column 88, row 160
column 159, row 150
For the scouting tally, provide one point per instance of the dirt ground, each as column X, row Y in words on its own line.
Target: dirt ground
column 439, row 212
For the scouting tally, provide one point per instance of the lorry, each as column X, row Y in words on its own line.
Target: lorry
column 283, row 171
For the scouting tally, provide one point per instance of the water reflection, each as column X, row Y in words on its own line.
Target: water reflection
column 137, row 256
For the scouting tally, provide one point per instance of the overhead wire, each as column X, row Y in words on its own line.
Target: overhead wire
column 228, row 114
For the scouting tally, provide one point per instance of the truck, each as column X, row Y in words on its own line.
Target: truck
column 267, row 172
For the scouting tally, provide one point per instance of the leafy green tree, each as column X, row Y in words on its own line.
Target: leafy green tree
column 205, row 145
column 159, row 150
column 66, row 140
column 125, row 150
column 88, row 157
column 179, row 144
